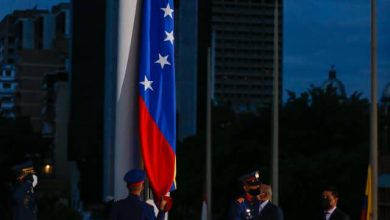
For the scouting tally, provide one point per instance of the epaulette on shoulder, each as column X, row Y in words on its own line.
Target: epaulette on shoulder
column 240, row 200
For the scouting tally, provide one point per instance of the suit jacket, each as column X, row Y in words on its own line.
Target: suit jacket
column 133, row 208
column 338, row 215
column 270, row 212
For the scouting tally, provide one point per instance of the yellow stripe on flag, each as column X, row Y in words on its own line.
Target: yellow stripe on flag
column 369, row 194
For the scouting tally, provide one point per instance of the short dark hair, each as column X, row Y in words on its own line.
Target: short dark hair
column 134, row 188
column 333, row 190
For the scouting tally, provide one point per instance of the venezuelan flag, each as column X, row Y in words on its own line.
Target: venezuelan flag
column 367, row 202
column 157, row 98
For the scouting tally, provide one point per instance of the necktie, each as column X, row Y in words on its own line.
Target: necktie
column 324, row 215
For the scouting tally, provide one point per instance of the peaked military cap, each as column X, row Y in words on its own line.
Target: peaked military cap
column 26, row 166
column 250, row 178
column 134, row 176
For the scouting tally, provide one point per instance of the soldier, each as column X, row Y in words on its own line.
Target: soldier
column 132, row 207
column 24, row 204
column 247, row 207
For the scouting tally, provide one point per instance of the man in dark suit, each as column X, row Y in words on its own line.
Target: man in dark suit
column 132, row 207
column 268, row 210
column 330, row 198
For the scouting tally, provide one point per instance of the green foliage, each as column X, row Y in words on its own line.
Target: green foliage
column 323, row 141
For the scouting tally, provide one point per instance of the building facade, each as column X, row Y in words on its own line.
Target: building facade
column 34, row 58
column 33, row 43
column 186, row 70
column 243, row 52
column 8, row 86
column 85, row 137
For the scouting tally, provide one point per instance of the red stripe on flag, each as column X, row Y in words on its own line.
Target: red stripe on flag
column 159, row 157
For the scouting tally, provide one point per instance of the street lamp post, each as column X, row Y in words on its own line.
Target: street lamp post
column 275, row 113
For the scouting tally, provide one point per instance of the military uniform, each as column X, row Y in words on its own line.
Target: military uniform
column 243, row 209
column 24, row 206
column 132, row 207
column 246, row 207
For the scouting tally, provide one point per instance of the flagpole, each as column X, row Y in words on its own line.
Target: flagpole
column 374, row 115
column 275, row 113
column 208, row 140
column 123, row 63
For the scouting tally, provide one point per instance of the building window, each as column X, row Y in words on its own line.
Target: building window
column 20, row 33
column 8, row 73
column 7, row 99
column 60, row 24
column 6, row 85
column 38, row 33
column 11, row 40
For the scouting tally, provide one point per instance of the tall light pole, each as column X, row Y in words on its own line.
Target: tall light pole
column 208, row 139
column 275, row 113
column 374, row 116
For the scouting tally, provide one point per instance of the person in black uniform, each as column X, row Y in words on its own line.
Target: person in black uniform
column 247, row 207
column 24, row 204
column 330, row 198
column 132, row 207
column 268, row 210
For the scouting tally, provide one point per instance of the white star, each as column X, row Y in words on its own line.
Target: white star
column 162, row 60
column 167, row 11
column 147, row 84
column 169, row 37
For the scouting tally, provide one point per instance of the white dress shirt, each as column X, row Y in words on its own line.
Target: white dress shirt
column 329, row 212
column 262, row 205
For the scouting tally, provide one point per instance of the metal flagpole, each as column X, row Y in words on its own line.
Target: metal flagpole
column 208, row 140
column 275, row 113
column 374, row 116
column 124, row 62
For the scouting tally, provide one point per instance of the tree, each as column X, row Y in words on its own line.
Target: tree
column 323, row 141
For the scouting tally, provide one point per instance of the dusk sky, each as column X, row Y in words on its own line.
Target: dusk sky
column 7, row 6
column 317, row 34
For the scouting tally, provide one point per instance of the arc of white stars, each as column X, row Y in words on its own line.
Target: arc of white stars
column 167, row 11
column 147, row 84
column 162, row 60
column 169, row 37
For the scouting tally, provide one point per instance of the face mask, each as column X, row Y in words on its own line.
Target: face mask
column 254, row 192
column 325, row 203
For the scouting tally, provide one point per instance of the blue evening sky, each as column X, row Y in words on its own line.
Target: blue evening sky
column 8, row 6
column 317, row 34
column 321, row 33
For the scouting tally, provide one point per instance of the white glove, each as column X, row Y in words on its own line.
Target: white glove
column 35, row 180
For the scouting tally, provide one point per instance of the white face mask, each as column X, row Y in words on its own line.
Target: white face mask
column 35, row 180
